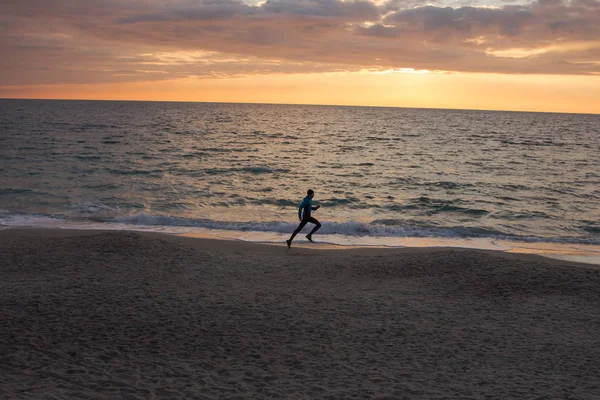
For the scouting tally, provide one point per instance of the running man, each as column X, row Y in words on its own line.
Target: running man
column 304, row 216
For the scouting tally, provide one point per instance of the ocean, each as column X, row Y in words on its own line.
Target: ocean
column 383, row 176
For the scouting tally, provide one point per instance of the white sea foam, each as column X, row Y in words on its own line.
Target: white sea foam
column 351, row 233
column 345, row 235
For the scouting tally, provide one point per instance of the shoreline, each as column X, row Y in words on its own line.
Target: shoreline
column 543, row 251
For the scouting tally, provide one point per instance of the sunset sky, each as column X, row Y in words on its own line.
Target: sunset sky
column 478, row 54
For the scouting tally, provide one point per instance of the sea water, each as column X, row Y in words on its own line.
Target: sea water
column 383, row 176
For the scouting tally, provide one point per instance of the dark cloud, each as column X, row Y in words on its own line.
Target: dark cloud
column 202, row 11
column 465, row 21
column 111, row 41
column 349, row 10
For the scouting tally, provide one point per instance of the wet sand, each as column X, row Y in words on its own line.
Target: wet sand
column 116, row 315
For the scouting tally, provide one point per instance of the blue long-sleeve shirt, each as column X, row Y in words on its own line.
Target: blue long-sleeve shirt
column 305, row 206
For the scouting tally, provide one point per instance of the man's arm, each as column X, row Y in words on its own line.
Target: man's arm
column 301, row 208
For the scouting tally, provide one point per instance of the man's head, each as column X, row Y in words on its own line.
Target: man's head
column 310, row 193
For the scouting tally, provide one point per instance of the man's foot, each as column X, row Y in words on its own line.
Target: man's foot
column 309, row 237
column 289, row 243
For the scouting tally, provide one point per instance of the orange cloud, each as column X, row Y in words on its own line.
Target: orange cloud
column 395, row 88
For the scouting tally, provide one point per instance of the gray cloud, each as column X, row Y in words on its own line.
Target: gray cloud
column 202, row 11
column 464, row 20
column 350, row 10
column 45, row 41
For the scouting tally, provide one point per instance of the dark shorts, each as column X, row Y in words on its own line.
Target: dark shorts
column 305, row 221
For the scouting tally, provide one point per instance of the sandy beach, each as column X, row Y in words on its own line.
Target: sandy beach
column 120, row 315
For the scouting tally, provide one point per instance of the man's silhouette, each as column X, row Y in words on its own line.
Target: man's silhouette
column 304, row 216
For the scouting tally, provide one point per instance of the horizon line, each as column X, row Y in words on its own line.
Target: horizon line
column 299, row 104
